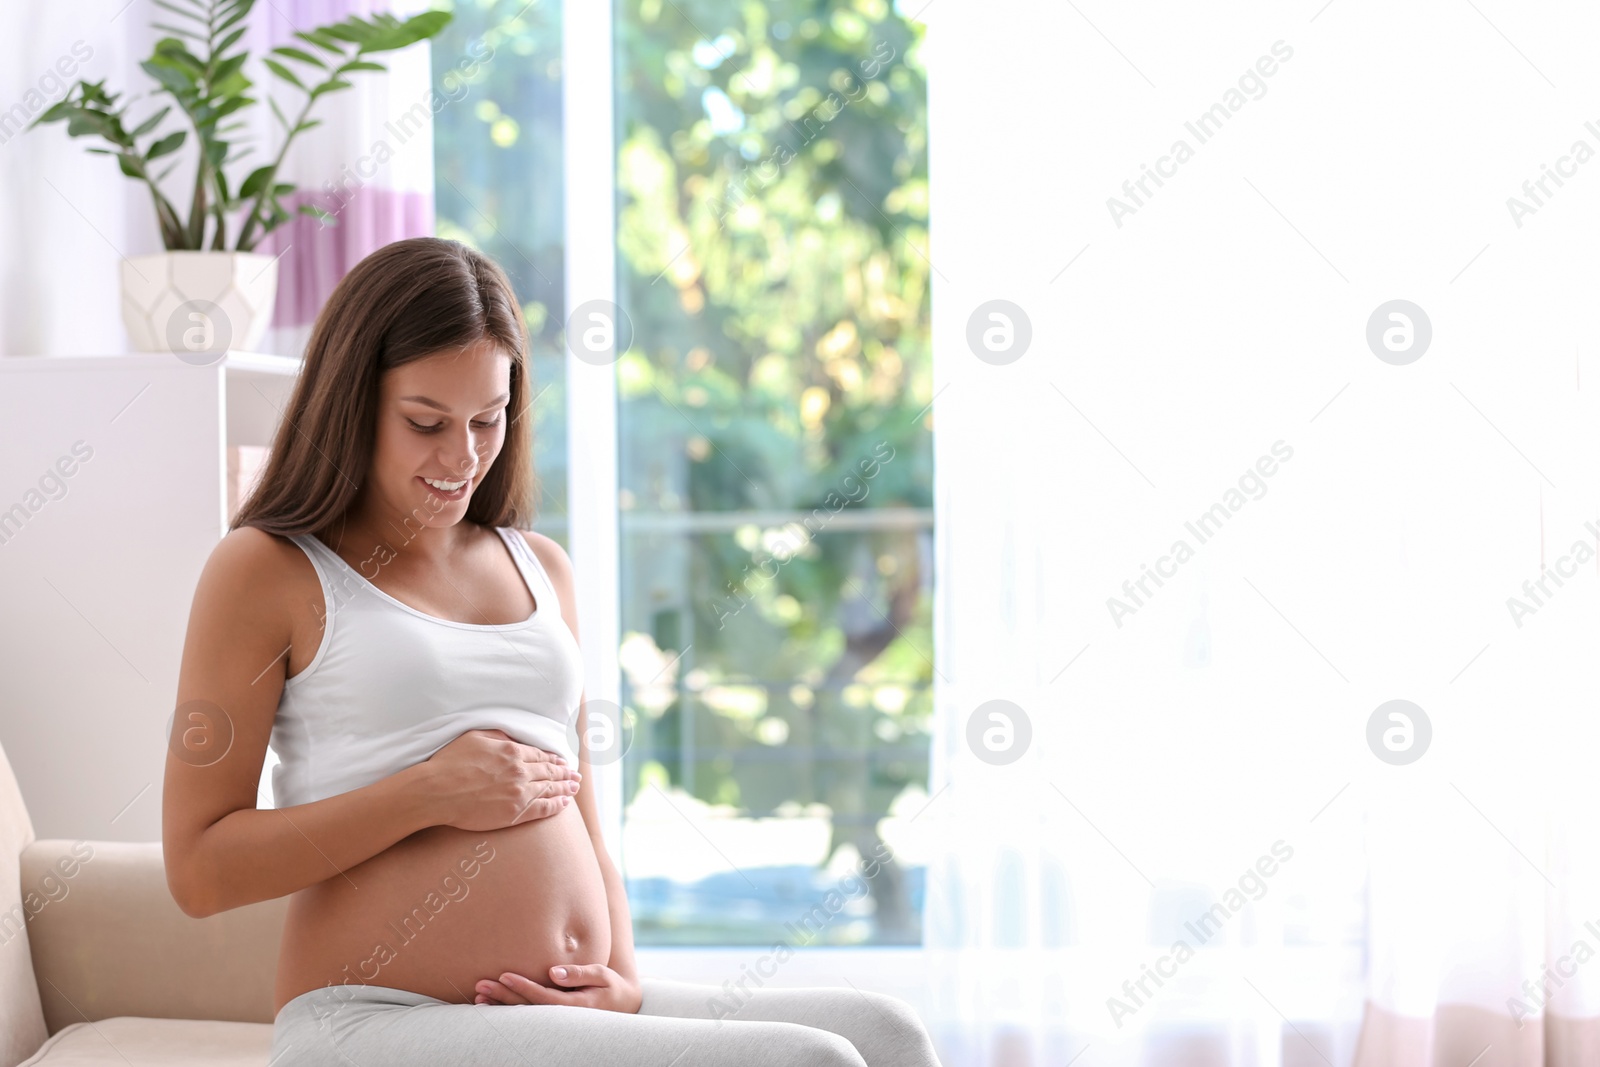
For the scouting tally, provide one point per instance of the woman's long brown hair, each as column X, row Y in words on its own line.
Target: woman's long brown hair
column 410, row 299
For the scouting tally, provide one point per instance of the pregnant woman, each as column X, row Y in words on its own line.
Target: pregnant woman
column 381, row 617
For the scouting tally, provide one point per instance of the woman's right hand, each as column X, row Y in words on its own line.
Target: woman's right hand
column 486, row 780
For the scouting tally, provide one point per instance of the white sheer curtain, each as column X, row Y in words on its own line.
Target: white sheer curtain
column 66, row 217
column 1211, row 352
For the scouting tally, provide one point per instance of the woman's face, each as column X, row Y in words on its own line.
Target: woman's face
column 440, row 418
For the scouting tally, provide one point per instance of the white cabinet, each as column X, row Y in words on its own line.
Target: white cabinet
column 113, row 492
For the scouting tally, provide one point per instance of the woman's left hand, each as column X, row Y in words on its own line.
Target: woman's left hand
column 592, row 985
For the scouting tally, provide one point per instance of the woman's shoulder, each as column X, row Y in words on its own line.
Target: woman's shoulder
column 552, row 557
column 254, row 596
column 548, row 549
column 252, row 562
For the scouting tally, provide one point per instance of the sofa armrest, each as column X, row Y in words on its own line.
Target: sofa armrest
column 108, row 939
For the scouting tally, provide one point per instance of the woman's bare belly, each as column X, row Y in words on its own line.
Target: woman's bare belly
column 437, row 912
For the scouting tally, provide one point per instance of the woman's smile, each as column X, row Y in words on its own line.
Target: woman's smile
column 434, row 487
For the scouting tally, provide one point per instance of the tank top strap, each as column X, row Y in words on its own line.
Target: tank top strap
column 533, row 571
column 330, row 561
column 327, row 564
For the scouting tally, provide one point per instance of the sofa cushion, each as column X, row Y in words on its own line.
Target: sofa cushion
column 22, row 1026
column 113, row 942
column 129, row 1041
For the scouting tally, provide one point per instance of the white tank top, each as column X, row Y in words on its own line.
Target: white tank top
column 390, row 685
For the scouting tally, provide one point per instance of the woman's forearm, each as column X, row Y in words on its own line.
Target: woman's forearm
column 252, row 855
column 621, row 959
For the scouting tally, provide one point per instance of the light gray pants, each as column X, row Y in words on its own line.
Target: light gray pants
column 679, row 1024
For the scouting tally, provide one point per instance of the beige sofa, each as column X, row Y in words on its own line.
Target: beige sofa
column 99, row 966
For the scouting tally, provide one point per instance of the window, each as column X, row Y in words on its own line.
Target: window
column 497, row 187
column 774, row 451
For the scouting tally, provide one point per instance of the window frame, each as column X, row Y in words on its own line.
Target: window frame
column 589, row 165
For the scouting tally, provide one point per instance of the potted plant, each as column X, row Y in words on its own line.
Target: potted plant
column 209, row 292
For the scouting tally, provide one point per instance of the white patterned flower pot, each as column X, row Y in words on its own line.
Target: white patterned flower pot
column 198, row 304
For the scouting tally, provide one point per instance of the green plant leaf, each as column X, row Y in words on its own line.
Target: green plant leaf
column 54, row 113
column 427, row 24
column 228, row 41
column 227, row 68
column 285, row 73
column 321, row 40
column 361, row 64
column 84, row 121
column 326, row 218
column 333, row 85
column 283, row 189
column 301, row 55
column 237, row 16
column 230, row 105
column 351, row 29
column 176, row 10
column 278, row 112
column 386, row 33
column 308, row 125
column 129, row 167
column 181, row 32
column 233, row 85
column 252, row 185
column 174, row 78
column 62, row 109
column 166, row 145
column 170, row 48
column 150, row 123
column 94, row 92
